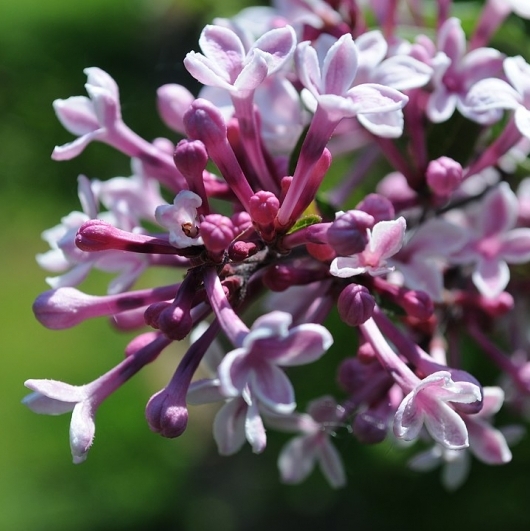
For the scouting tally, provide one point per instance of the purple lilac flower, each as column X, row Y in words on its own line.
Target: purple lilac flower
column 273, row 225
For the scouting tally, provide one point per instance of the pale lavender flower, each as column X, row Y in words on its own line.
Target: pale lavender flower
column 269, row 345
column 180, row 219
column 429, row 403
column 492, row 95
column 424, row 257
column 384, row 241
column 493, row 242
column 486, row 443
column 65, row 256
column 452, row 82
column 52, row 397
column 90, row 118
column 313, row 446
column 227, row 65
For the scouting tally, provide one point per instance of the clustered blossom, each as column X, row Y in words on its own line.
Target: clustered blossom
column 420, row 244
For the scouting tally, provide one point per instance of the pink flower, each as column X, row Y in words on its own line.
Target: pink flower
column 429, row 404
column 268, row 346
column 385, row 240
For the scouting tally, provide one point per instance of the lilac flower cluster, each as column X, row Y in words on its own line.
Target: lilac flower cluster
column 415, row 256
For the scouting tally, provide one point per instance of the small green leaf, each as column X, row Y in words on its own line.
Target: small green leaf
column 304, row 222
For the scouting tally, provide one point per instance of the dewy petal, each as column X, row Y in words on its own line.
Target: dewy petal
column 277, row 46
column 441, row 105
column 272, row 324
column 408, row 420
column 204, row 391
column 297, row 459
column 384, row 124
column 272, row 387
column 306, row 343
column 522, row 121
column 387, row 237
column 374, row 98
column 487, row 443
column 308, row 67
column 403, row 72
column 480, row 64
column 340, row 66
column 234, row 372
column 517, row 71
column 456, row 469
column 229, row 426
column 224, row 49
column 254, row 429
column 346, row 266
column 99, row 78
column 106, row 107
column 44, row 405
column 206, row 72
column 491, row 277
column 74, row 148
column 58, row 390
column 492, row 93
column 82, row 430
column 372, row 48
column 331, row 463
column 77, row 115
column 492, row 403
column 446, row 426
column 515, row 248
column 452, row 40
column 252, row 74
column 503, row 202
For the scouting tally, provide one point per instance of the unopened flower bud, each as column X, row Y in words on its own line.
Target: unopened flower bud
column 348, row 234
column 444, row 176
column 417, row 304
column 217, row 232
column 173, row 102
column 167, row 414
column 264, row 207
column 371, row 426
column 240, row 250
column 355, row 304
column 378, row 206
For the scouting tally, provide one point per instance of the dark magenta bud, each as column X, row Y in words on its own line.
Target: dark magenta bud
column 355, row 304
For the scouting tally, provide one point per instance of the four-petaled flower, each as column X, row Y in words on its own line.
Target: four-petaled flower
column 429, row 403
column 384, row 241
column 254, row 368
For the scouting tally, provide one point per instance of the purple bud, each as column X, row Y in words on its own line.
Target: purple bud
column 167, row 414
column 371, row 425
column 417, row 304
column 152, row 313
column 355, row 304
column 63, row 308
column 190, row 157
column 96, row 235
column 203, row 121
column 444, row 175
column 239, row 250
column 217, row 232
column 173, row 101
column 378, row 206
column 395, row 188
column 241, row 221
column 348, row 234
column 175, row 322
column 264, row 207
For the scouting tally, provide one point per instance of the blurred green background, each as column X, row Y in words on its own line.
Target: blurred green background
column 133, row 479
